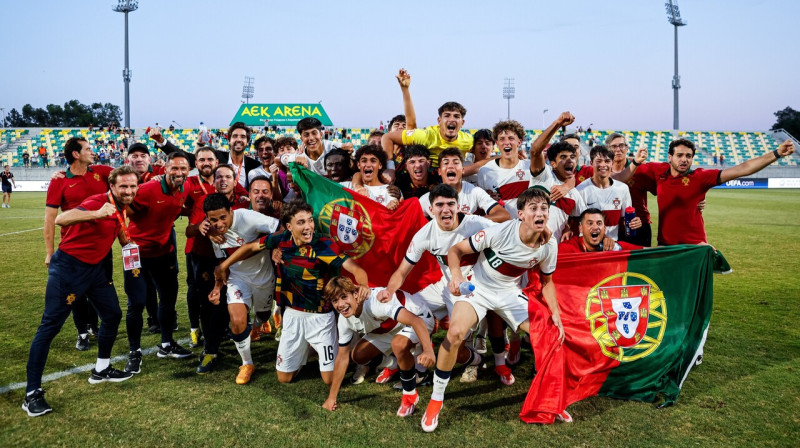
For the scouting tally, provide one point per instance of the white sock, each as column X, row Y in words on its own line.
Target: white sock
column 194, row 329
column 83, row 335
column 101, row 364
column 500, row 359
column 165, row 345
column 388, row 362
column 244, row 350
column 439, row 386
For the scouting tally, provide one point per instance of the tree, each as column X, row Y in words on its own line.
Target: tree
column 14, row 119
column 788, row 120
column 73, row 114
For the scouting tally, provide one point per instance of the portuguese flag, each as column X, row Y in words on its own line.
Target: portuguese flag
column 635, row 322
column 368, row 232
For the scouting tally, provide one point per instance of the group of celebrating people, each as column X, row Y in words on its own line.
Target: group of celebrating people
column 497, row 224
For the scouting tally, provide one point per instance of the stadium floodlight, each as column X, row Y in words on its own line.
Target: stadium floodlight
column 508, row 94
column 674, row 17
column 544, row 112
column 248, row 89
column 126, row 6
column 3, row 111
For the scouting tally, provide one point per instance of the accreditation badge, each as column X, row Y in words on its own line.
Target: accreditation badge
column 130, row 257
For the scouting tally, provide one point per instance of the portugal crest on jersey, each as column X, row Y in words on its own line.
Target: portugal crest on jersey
column 347, row 222
column 628, row 316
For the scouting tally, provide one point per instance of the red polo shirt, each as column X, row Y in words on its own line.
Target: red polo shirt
column 151, row 172
column 575, row 245
column 90, row 241
column 154, row 211
column 69, row 191
column 679, row 220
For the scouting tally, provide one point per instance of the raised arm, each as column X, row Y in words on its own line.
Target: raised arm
column 541, row 142
column 625, row 175
column 76, row 215
column 757, row 164
column 404, row 79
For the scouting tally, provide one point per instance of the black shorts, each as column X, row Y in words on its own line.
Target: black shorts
column 7, row 189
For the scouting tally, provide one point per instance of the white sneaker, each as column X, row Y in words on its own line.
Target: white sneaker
column 359, row 374
column 480, row 345
column 470, row 374
column 564, row 417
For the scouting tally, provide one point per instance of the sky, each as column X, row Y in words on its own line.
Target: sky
column 609, row 63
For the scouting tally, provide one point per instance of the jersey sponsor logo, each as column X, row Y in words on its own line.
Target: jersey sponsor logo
column 627, row 314
column 76, row 183
column 70, row 299
column 349, row 225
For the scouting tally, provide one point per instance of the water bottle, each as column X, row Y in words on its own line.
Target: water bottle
column 288, row 158
column 630, row 213
column 466, row 288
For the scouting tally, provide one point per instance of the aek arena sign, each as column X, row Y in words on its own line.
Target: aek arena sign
column 280, row 114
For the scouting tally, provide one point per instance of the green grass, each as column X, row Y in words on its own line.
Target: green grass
column 746, row 393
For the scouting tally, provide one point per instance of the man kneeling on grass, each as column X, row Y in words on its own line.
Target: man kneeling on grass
column 396, row 326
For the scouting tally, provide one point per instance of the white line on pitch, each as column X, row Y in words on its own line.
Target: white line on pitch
column 79, row 369
column 21, row 231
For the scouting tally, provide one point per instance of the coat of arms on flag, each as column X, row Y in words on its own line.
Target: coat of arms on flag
column 349, row 225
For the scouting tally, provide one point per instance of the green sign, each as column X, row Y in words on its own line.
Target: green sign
column 280, row 114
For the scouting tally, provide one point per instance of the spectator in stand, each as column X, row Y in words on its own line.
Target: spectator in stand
column 26, row 159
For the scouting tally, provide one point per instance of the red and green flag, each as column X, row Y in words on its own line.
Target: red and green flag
column 635, row 322
column 368, row 232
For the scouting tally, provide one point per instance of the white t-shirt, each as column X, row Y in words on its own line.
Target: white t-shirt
column 612, row 201
column 378, row 193
column 248, row 226
column 509, row 182
column 470, row 199
column 432, row 239
column 260, row 171
column 379, row 318
column 570, row 205
column 318, row 165
column 504, row 258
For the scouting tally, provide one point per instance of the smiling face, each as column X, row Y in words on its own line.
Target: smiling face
column 620, row 148
column 602, row 166
column 482, row 149
column 176, row 172
column 535, row 214
column 445, row 212
column 508, row 142
column 451, row 170
column 593, row 228
column 369, row 166
column 266, row 153
column 139, row 161
column 206, row 163
column 238, row 141
column 450, row 122
column 221, row 219
column 312, row 141
column 260, row 195
column 301, row 227
column 125, row 189
column 345, row 303
column 417, row 167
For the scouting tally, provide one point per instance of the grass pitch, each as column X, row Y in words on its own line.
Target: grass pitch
column 746, row 393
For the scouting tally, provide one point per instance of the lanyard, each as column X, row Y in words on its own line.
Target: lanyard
column 203, row 187
column 239, row 170
column 122, row 218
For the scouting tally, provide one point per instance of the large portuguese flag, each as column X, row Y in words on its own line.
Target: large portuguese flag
column 368, row 232
column 634, row 322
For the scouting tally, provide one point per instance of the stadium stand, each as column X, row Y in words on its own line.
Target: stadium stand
column 735, row 146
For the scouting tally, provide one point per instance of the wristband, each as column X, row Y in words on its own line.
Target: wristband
column 390, row 164
column 777, row 156
column 633, row 161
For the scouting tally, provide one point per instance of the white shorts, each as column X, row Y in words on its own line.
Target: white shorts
column 510, row 304
column 257, row 297
column 383, row 342
column 438, row 298
column 301, row 329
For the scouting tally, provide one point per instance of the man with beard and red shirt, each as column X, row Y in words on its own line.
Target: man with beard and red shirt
column 66, row 191
column 153, row 213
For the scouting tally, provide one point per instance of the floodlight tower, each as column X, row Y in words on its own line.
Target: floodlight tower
column 248, row 89
column 126, row 6
column 674, row 17
column 508, row 94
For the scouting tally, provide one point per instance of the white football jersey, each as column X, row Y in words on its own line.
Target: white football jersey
column 432, row 239
column 470, row 199
column 378, row 193
column 248, row 226
column 612, row 201
column 504, row 258
column 380, row 318
column 318, row 165
column 509, row 182
column 560, row 211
